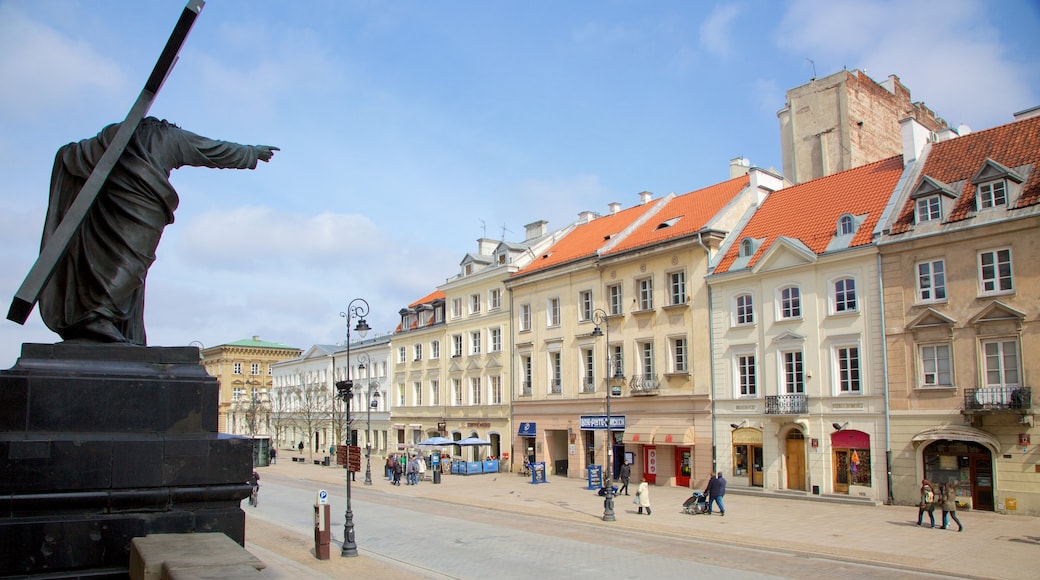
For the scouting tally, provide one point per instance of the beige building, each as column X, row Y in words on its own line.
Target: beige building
column 962, row 317
column 843, row 121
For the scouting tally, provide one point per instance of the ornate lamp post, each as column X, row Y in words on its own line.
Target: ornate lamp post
column 373, row 402
column 345, row 392
column 599, row 317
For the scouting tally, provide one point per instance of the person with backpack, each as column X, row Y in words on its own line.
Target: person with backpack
column 948, row 500
column 927, row 503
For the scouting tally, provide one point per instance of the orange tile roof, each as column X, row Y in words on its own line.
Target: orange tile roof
column 1011, row 145
column 809, row 211
column 428, row 298
column 691, row 211
column 585, row 239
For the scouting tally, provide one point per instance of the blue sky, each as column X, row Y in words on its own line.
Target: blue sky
column 409, row 129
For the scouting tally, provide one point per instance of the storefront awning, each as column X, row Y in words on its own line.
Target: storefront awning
column 639, row 436
column 674, row 436
column 959, row 433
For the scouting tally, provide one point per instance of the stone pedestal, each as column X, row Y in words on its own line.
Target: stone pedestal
column 100, row 444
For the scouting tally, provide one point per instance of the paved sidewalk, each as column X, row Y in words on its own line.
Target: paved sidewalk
column 991, row 546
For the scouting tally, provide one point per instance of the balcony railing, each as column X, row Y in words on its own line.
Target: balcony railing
column 526, row 389
column 644, row 385
column 588, row 385
column 555, row 387
column 998, row 399
column 797, row 404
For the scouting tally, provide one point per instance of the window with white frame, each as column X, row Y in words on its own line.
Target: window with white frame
column 617, row 362
column 790, row 303
column 237, row 368
column 793, row 371
column 552, row 312
column 435, row 349
column 1001, row 363
column 743, row 309
column 495, row 389
column 474, row 342
column 928, row 208
column 556, row 372
column 525, row 317
column 495, row 299
column 400, row 394
column 844, row 296
column 847, row 364
column 417, row 348
column 846, row 225
column 238, row 394
column 677, row 288
column 995, row 271
column 270, row 371
column 474, row 303
column 680, row 355
column 526, row 372
column 588, row 370
column 456, row 392
column 931, row 281
column 417, row 392
column 254, row 369
column 456, row 307
column 495, row 339
column 992, row 195
column 936, row 365
column 456, row 345
column 646, row 358
column 747, row 374
column 402, row 354
column 614, row 297
column 645, row 290
column 585, row 305
column 435, row 392
column 747, row 247
column 474, row 389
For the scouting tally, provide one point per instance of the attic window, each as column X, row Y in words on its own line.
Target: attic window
column 929, row 208
column 501, row 259
column 468, row 269
column 747, row 247
column 846, row 225
column 993, row 194
column 667, row 223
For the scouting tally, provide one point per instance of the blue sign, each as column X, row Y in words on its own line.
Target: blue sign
column 599, row 422
column 527, row 430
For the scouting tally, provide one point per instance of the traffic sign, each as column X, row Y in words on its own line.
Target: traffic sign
column 323, row 497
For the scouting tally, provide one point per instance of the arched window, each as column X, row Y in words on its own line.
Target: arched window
column 846, row 225
column 747, row 247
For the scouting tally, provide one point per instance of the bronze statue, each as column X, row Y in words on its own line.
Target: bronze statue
column 97, row 289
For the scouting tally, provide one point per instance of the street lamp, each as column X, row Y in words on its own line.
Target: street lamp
column 373, row 402
column 344, row 388
column 599, row 317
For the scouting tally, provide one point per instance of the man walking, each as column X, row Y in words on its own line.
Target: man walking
column 626, row 473
column 715, row 490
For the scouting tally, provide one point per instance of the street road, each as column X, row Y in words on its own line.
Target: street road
column 442, row 540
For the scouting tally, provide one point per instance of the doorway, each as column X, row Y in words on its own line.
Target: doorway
column 969, row 465
column 683, row 466
column 795, row 459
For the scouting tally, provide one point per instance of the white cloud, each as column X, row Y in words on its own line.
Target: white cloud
column 716, row 33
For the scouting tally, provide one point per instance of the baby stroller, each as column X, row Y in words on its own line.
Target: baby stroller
column 697, row 504
column 603, row 490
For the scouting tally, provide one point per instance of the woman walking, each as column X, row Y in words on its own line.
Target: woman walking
column 643, row 496
column 927, row 503
column 949, row 505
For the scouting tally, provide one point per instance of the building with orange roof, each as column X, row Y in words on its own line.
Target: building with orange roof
column 798, row 388
column 962, row 315
column 620, row 302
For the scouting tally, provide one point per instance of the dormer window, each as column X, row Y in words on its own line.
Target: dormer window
column 846, row 225
column 993, row 194
column 995, row 185
column 929, row 209
column 928, row 199
column 468, row 269
column 747, row 247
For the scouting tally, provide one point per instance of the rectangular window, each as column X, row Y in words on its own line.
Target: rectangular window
column 617, row 361
column 677, row 288
column 931, row 281
column 747, row 375
column 848, row 369
column 237, row 368
column 435, row 393
column 456, row 392
column 1001, row 363
column 992, row 195
column 474, row 303
column 402, row 355
column 400, row 394
column 525, row 369
column 435, row 349
column 456, row 345
column 935, row 366
column 995, row 271
column 417, row 391
column 418, row 351
column 495, row 389
column 928, row 208
column 614, row 294
column 790, row 303
column 679, row 355
column 254, row 369
column 556, row 367
column 645, row 288
column 845, row 295
column 646, row 358
column 495, row 299
column 474, row 388
column 553, row 312
column 525, row 317
column 588, row 367
column 794, row 372
column 474, row 342
column 585, row 305
column 495, row 340
column 456, row 307
column 745, row 312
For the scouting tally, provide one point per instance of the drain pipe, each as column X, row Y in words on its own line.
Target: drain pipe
column 884, row 362
column 711, row 354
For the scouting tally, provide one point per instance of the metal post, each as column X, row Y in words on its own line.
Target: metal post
column 599, row 316
column 345, row 390
column 363, row 362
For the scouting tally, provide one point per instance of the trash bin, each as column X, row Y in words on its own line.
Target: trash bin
column 436, row 476
column 326, row 461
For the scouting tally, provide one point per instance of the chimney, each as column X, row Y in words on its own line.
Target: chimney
column 586, row 216
column 915, row 137
column 535, row 230
column 738, row 166
column 486, row 247
column 614, row 207
column 256, row 337
column 644, row 197
column 1027, row 114
column 945, row 134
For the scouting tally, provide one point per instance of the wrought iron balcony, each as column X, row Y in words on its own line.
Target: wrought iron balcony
column 526, row 389
column 796, row 404
column 588, row 385
column 998, row 400
column 644, row 385
column 556, row 387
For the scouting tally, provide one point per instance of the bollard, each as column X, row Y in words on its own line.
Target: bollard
column 322, row 537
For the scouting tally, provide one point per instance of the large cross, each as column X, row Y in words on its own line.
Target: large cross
column 58, row 244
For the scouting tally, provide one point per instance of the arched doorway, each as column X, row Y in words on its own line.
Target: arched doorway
column 794, row 455
column 968, row 464
column 747, row 455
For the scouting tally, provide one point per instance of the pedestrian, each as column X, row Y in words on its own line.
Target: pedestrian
column 948, row 500
column 715, row 491
column 926, row 503
column 389, row 467
column 274, row 455
column 626, row 473
column 421, row 464
column 643, row 496
column 398, row 470
column 300, row 446
column 410, row 471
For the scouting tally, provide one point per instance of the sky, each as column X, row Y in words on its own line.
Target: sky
column 410, row 129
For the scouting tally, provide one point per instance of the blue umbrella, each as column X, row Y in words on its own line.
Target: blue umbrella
column 436, row 442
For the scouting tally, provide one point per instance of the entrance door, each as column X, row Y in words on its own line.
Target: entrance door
column 841, row 471
column 683, row 466
column 795, row 455
column 982, row 490
column 756, row 465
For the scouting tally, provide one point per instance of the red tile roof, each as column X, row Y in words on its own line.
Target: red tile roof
column 809, row 211
column 585, row 239
column 690, row 212
column 959, row 159
column 436, row 294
